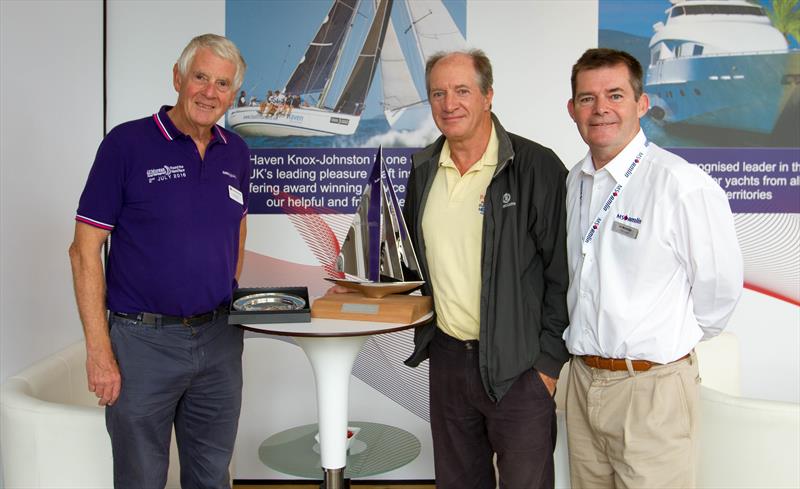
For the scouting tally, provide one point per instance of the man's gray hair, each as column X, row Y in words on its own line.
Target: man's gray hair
column 483, row 67
column 220, row 46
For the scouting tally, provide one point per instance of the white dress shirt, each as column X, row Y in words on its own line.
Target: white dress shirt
column 663, row 269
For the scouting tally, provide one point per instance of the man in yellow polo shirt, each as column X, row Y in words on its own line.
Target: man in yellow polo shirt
column 486, row 215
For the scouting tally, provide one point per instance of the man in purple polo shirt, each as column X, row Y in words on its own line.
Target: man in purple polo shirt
column 171, row 190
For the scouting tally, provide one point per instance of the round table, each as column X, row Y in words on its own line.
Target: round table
column 331, row 346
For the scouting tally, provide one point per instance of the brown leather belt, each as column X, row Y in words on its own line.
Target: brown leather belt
column 616, row 364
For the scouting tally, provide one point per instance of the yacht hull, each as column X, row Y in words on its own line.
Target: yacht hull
column 303, row 121
column 747, row 92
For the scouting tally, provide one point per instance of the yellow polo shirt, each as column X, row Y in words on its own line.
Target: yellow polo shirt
column 452, row 225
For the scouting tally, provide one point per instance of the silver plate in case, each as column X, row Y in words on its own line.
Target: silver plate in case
column 269, row 301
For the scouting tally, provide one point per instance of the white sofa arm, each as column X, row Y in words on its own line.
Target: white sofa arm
column 748, row 443
column 52, row 433
column 49, row 445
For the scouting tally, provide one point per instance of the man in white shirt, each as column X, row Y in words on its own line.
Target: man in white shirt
column 654, row 268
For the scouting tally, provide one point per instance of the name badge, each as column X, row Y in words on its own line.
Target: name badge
column 235, row 194
column 625, row 230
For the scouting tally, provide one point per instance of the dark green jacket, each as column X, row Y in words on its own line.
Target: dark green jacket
column 523, row 310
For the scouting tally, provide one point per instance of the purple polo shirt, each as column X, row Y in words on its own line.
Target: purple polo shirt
column 174, row 218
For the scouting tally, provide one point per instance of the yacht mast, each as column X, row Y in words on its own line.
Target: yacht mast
column 314, row 70
column 327, row 87
column 351, row 100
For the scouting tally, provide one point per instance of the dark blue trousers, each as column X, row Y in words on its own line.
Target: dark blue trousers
column 469, row 428
column 189, row 377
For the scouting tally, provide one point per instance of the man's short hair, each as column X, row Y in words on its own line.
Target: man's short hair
column 221, row 47
column 483, row 67
column 604, row 57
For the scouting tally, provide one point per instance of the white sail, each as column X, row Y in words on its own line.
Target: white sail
column 399, row 90
column 435, row 29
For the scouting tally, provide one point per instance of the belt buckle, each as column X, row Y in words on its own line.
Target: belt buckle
column 199, row 319
column 193, row 320
column 592, row 361
column 149, row 319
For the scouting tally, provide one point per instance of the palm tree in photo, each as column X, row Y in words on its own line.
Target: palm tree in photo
column 785, row 16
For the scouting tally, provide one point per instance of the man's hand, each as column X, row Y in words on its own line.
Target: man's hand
column 338, row 289
column 102, row 373
column 549, row 382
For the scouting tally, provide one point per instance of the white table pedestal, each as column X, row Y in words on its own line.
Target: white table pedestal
column 332, row 346
column 332, row 359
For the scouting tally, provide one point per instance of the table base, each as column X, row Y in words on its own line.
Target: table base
column 333, row 479
column 387, row 448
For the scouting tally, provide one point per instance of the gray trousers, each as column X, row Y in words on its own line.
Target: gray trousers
column 189, row 377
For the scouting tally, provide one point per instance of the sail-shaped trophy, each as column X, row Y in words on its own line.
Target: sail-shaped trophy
column 377, row 257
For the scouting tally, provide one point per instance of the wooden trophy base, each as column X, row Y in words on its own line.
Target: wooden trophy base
column 393, row 308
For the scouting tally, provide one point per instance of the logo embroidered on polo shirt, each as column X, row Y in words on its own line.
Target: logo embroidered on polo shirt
column 229, row 174
column 166, row 172
column 481, row 205
column 507, row 200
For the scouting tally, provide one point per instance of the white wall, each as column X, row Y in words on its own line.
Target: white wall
column 532, row 45
column 51, row 94
column 151, row 35
column 52, row 122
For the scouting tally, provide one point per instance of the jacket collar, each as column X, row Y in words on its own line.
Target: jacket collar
column 505, row 150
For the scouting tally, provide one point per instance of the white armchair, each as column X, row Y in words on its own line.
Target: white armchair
column 52, row 433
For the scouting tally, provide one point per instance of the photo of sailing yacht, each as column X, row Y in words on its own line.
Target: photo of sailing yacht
column 339, row 73
column 718, row 72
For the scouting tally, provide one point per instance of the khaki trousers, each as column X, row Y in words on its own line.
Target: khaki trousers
column 629, row 429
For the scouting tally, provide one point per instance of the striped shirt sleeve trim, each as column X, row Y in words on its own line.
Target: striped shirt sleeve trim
column 92, row 222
